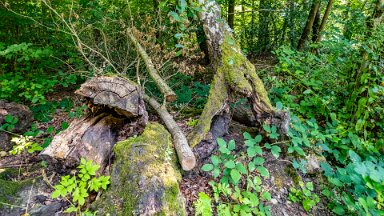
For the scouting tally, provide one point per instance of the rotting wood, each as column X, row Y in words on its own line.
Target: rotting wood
column 90, row 137
column 122, row 95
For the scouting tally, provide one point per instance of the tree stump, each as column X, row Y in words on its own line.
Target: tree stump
column 145, row 176
column 112, row 101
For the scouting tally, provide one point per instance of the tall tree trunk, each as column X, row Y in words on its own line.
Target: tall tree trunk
column 233, row 74
column 316, row 25
column 324, row 20
column 231, row 13
column 308, row 25
column 291, row 23
column 263, row 36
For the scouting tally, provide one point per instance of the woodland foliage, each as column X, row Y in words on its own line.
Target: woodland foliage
column 332, row 85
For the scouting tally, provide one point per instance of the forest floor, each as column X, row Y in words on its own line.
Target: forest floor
column 282, row 174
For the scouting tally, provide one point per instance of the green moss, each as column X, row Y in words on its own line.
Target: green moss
column 240, row 73
column 9, row 190
column 216, row 102
column 144, row 174
column 296, row 178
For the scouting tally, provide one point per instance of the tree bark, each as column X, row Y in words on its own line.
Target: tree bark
column 315, row 26
column 233, row 74
column 324, row 20
column 308, row 25
column 231, row 13
column 90, row 137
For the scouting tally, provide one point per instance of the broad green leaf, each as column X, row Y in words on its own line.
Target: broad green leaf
column 235, row 175
column 207, row 167
column 215, row 160
column 339, row 210
column 266, row 196
column 247, row 136
column 263, row 171
column 258, row 161
column 308, row 204
column 309, row 186
column 231, row 145
column 275, row 150
column 230, row 164
column 240, row 167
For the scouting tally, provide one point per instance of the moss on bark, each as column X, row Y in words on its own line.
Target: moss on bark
column 145, row 177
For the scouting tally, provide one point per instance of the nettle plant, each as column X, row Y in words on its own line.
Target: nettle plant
column 238, row 177
column 76, row 189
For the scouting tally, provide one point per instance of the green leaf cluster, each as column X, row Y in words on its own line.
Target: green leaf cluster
column 77, row 188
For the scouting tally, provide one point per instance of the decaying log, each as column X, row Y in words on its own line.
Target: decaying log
column 163, row 87
column 234, row 74
column 145, row 177
column 122, row 95
column 93, row 136
column 90, row 137
column 186, row 157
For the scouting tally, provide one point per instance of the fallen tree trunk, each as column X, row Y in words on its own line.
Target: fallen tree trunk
column 147, row 163
column 90, row 137
column 113, row 101
column 186, row 157
column 234, row 74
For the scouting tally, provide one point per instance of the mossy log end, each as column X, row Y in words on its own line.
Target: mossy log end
column 234, row 75
column 145, row 177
